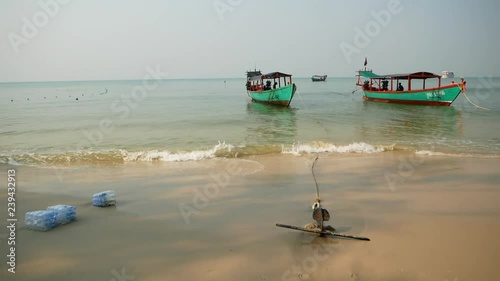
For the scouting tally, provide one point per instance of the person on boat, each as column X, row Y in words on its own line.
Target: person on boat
column 275, row 84
column 366, row 85
column 268, row 85
column 385, row 85
column 462, row 84
column 400, row 87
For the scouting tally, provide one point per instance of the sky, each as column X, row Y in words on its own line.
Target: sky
column 68, row 40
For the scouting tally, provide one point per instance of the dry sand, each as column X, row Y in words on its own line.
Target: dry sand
column 429, row 218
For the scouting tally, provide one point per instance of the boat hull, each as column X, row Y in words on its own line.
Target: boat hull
column 282, row 96
column 318, row 78
column 443, row 96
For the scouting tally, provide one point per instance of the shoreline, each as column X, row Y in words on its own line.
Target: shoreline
column 89, row 159
column 435, row 223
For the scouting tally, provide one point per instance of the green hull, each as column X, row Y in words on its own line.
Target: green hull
column 443, row 96
column 317, row 78
column 281, row 96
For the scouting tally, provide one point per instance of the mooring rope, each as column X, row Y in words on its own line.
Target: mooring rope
column 339, row 93
column 310, row 116
column 463, row 92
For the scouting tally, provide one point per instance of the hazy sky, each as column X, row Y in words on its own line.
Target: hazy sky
column 118, row 39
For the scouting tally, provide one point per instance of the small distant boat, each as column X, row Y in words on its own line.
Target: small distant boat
column 278, row 92
column 447, row 74
column 389, row 88
column 317, row 78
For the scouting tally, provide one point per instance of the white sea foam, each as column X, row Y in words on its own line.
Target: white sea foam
column 465, row 155
column 220, row 150
column 430, row 153
column 167, row 156
column 320, row 147
column 13, row 162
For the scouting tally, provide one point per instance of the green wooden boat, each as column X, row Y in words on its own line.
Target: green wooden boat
column 318, row 78
column 391, row 88
column 278, row 92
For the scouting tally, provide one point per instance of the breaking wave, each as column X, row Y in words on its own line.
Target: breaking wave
column 220, row 150
column 321, row 147
column 465, row 155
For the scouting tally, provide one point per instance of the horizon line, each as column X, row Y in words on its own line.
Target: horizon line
column 182, row 78
column 140, row 79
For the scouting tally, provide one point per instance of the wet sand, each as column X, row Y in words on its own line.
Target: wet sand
column 429, row 218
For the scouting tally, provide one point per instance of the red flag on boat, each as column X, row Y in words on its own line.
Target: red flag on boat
column 366, row 61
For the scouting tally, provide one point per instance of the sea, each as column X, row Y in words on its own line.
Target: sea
column 88, row 123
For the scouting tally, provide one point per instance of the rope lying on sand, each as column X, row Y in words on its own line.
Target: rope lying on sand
column 463, row 92
column 314, row 177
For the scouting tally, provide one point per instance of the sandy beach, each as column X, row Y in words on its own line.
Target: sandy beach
column 428, row 218
column 206, row 119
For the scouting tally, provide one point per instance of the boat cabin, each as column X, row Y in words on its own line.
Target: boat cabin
column 255, row 80
column 397, row 82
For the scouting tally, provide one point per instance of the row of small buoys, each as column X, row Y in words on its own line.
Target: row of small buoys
column 102, row 93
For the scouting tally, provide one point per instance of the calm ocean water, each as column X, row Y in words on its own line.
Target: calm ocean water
column 43, row 123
